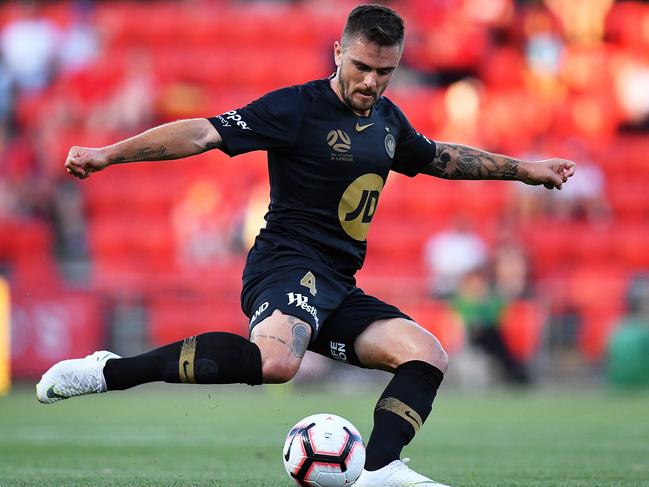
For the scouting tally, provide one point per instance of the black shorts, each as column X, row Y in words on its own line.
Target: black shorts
column 335, row 308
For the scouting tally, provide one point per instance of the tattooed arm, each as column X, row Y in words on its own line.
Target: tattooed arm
column 174, row 140
column 461, row 162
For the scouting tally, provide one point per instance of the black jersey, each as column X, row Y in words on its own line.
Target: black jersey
column 327, row 169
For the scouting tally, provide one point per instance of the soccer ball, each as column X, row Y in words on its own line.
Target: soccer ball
column 324, row 450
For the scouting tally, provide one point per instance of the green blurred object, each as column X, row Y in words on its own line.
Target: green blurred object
column 628, row 354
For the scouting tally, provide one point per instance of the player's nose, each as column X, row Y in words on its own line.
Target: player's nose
column 370, row 81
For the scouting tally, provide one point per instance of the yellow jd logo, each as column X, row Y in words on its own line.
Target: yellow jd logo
column 358, row 205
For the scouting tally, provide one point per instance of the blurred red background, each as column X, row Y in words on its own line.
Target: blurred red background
column 147, row 253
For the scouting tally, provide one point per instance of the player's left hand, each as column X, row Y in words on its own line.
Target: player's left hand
column 551, row 173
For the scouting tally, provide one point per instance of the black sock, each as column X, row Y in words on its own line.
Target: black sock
column 401, row 411
column 210, row 358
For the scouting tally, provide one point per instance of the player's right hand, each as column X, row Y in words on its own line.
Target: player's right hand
column 83, row 161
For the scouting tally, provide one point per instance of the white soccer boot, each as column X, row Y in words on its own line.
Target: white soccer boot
column 395, row 474
column 74, row 377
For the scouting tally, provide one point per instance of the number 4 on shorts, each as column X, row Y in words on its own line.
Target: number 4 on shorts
column 309, row 281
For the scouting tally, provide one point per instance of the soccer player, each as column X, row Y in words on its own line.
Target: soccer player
column 331, row 144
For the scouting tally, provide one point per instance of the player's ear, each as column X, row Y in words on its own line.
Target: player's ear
column 338, row 52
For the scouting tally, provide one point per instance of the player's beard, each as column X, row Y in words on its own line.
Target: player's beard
column 347, row 94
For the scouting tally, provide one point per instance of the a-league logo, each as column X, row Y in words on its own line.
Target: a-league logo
column 339, row 141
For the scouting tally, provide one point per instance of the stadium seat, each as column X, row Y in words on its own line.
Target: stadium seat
column 26, row 250
column 625, row 24
column 522, row 328
column 442, row 321
column 596, row 287
column 632, row 242
column 123, row 247
column 53, row 324
column 595, row 332
column 629, row 200
column 173, row 318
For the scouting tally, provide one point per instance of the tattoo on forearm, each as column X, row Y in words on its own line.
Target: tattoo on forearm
column 270, row 337
column 300, row 339
column 152, row 153
column 462, row 162
column 118, row 159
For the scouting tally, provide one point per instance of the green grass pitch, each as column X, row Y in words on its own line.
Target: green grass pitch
column 232, row 436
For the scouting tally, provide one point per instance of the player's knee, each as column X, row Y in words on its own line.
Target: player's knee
column 425, row 348
column 276, row 371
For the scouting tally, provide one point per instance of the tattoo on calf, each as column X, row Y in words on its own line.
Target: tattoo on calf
column 300, row 339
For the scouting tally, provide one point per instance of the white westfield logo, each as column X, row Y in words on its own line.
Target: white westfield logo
column 302, row 302
column 298, row 299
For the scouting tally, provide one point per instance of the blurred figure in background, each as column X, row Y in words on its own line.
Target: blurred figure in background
column 201, row 223
column 510, row 262
column 451, row 254
column 481, row 309
column 30, row 47
column 627, row 362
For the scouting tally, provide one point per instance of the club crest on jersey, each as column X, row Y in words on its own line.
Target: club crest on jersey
column 341, row 143
column 390, row 144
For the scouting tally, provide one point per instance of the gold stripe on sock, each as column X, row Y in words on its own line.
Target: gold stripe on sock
column 186, row 361
column 400, row 408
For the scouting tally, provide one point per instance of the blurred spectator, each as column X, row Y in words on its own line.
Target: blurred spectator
column 252, row 218
column 631, row 78
column 7, row 100
column 481, row 309
column 131, row 105
column 451, row 254
column 462, row 106
column 80, row 45
column 583, row 20
column 510, row 263
column 202, row 226
column 584, row 200
column 30, row 45
column 544, row 46
column 628, row 348
column 69, row 223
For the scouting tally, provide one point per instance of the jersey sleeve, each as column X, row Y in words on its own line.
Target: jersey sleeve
column 270, row 122
column 413, row 151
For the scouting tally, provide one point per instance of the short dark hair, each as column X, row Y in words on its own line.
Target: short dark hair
column 376, row 23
